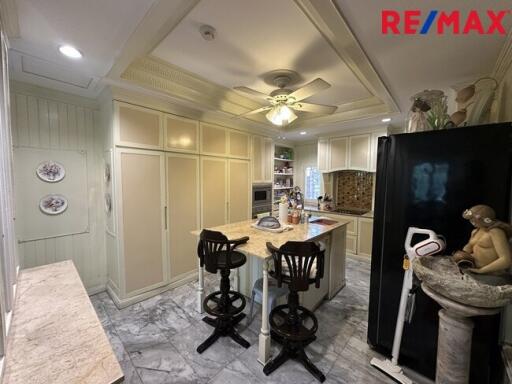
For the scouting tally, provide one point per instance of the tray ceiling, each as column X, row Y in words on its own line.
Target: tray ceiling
column 254, row 38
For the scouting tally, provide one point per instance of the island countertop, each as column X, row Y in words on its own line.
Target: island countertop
column 55, row 335
column 256, row 246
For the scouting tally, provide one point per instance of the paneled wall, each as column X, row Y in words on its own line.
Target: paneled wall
column 51, row 120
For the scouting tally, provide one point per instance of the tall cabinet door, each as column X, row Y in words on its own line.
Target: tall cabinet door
column 239, row 191
column 142, row 221
column 214, row 194
column 183, row 215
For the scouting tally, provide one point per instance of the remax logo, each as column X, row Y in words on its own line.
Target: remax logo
column 414, row 21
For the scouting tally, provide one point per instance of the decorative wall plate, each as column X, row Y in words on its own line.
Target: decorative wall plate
column 107, row 173
column 53, row 204
column 50, row 171
column 108, row 204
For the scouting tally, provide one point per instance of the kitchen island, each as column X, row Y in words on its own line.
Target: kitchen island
column 333, row 236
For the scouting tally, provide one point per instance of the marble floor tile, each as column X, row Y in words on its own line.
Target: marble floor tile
column 162, row 363
column 156, row 340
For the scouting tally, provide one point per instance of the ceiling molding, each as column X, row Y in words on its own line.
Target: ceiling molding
column 155, row 73
column 9, row 18
column 159, row 21
column 504, row 62
column 327, row 18
column 349, row 115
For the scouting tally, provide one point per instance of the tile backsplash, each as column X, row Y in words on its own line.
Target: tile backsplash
column 354, row 189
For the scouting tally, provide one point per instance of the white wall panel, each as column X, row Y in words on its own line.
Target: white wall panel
column 41, row 122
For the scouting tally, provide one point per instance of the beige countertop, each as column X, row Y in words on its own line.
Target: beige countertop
column 314, row 208
column 55, row 336
column 256, row 246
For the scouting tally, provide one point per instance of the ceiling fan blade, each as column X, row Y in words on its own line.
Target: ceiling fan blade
column 253, row 93
column 315, row 108
column 262, row 109
column 309, row 89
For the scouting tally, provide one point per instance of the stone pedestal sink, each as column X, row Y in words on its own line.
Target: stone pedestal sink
column 462, row 296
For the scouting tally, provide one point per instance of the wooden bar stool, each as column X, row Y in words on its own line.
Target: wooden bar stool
column 215, row 253
column 297, row 264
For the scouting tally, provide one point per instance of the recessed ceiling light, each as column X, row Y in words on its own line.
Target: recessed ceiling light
column 303, row 133
column 70, row 51
column 386, row 120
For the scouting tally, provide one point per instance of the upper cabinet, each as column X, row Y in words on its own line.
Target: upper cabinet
column 220, row 141
column 262, row 155
column 138, row 127
column 323, row 158
column 239, row 144
column 339, row 153
column 357, row 152
column 214, row 140
column 181, row 134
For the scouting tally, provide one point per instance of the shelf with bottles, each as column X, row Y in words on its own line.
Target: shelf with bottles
column 282, row 188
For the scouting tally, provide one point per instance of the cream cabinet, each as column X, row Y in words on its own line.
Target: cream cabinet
column 365, row 236
column 239, row 190
column 138, row 127
column 144, row 265
column 351, row 233
column 239, row 144
column 183, row 213
column 225, row 191
column 323, row 156
column 181, row 134
column 214, row 140
column 224, row 142
column 262, row 156
column 359, row 152
column 214, row 191
column 339, row 153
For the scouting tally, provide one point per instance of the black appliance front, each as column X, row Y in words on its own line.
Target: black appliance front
column 426, row 180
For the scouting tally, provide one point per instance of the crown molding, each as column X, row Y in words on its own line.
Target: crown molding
column 504, row 62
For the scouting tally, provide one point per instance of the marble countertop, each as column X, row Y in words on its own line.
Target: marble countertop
column 55, row 336
column 314, row 208
column 256, row 246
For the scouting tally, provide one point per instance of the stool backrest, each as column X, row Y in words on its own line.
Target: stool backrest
column 300, row 257
column 211, row 245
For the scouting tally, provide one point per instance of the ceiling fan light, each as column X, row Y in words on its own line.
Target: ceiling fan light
column 281, row 115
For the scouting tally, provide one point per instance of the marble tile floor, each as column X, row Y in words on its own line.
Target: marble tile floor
column 155, row 341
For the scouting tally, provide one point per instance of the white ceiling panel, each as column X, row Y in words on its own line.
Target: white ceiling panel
column 253, row 38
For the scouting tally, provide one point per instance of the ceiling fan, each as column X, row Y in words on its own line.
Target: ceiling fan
column 284, row 101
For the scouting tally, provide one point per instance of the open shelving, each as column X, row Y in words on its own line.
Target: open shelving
column 283, row 158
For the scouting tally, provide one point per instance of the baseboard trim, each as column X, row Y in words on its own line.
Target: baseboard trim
column 96, row 289
column 126, row 302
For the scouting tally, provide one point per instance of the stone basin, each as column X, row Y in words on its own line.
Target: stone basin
column 443, row 276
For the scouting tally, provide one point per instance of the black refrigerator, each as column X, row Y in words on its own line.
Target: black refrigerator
column 427, row 180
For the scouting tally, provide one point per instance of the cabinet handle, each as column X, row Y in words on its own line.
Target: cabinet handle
column 165, row 217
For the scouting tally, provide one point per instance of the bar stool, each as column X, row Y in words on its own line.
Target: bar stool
column 215, row 253
column 298, row 264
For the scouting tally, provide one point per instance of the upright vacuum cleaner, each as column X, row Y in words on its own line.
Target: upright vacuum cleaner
column 430, row 246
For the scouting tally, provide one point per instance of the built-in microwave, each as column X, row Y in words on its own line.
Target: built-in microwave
column 261, row 199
